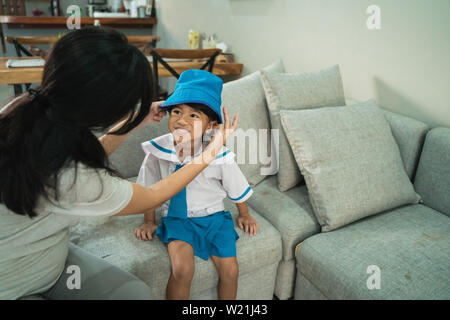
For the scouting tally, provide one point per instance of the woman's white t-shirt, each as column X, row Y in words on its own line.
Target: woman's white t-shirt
column 33, row 251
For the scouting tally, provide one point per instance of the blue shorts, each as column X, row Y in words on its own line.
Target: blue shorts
column 209, row 235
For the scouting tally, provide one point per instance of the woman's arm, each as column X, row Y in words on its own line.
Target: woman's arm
column 144, row 199
column 154, row 196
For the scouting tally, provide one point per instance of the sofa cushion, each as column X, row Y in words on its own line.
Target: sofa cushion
column 114, row 241
column 410, row 246
column 409, row 134
column 433, row 172
column 294, row 221
column 246, row 97
column 347, row 155
column 298, row 91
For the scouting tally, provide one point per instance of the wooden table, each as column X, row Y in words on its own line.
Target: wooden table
column 34, row 74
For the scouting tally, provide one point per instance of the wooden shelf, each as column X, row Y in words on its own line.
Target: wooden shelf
column 56, row 22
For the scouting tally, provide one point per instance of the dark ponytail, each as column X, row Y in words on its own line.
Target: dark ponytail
column 92, row 79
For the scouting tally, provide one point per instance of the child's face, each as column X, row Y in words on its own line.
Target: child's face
column 188, row 123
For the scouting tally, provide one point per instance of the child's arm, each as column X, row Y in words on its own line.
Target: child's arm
column 245, row 221
column 146, row 230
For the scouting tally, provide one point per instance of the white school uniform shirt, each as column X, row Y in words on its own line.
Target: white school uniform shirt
column 205, row 194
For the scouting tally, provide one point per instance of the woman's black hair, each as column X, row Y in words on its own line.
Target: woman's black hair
column 92, row 79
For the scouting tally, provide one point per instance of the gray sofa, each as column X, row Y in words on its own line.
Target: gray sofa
column 290, row 257
column 410, row 247
column 410, row 244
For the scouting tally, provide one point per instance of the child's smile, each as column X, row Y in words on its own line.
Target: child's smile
column 188, row 124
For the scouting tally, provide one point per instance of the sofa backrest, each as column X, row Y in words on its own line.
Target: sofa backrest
column 409, row 134
column 433, row 172
column 129, row 155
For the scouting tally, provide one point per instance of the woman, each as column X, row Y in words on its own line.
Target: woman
column 53, row 169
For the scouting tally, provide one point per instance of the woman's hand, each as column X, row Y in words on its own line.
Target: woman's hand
column 155, row 114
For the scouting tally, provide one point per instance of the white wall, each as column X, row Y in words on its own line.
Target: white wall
column 405, row 65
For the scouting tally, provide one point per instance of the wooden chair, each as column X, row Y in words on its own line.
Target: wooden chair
column 144, row 43
column 18, row 43
column 159, row 54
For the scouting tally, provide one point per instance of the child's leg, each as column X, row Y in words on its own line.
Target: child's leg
column 182, row 258
column 228, row 270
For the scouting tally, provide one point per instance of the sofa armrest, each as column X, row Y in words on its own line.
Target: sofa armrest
column 409, row 134
column 433, row 172
column 293, row 222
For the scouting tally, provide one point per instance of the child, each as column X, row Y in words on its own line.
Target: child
column 194, row 221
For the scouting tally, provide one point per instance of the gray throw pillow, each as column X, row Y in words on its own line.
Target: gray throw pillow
column 298, row 91
column 350, row 160
column 246, row 97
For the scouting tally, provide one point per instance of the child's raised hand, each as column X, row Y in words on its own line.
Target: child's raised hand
column 227, row 127
column 222, row 132
column 145, row 231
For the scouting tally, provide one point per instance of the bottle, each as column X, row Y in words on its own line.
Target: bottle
column 55, row 8
column 148, row 8
column 134, row 9
column 115, row 5
column 153, row 11
column 193, row 39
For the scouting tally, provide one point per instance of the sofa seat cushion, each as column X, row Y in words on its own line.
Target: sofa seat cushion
column 410, row 245
column 289, row 212
column 113, row 239
column 433, row 173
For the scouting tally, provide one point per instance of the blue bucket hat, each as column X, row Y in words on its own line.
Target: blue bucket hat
column 198, row 86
